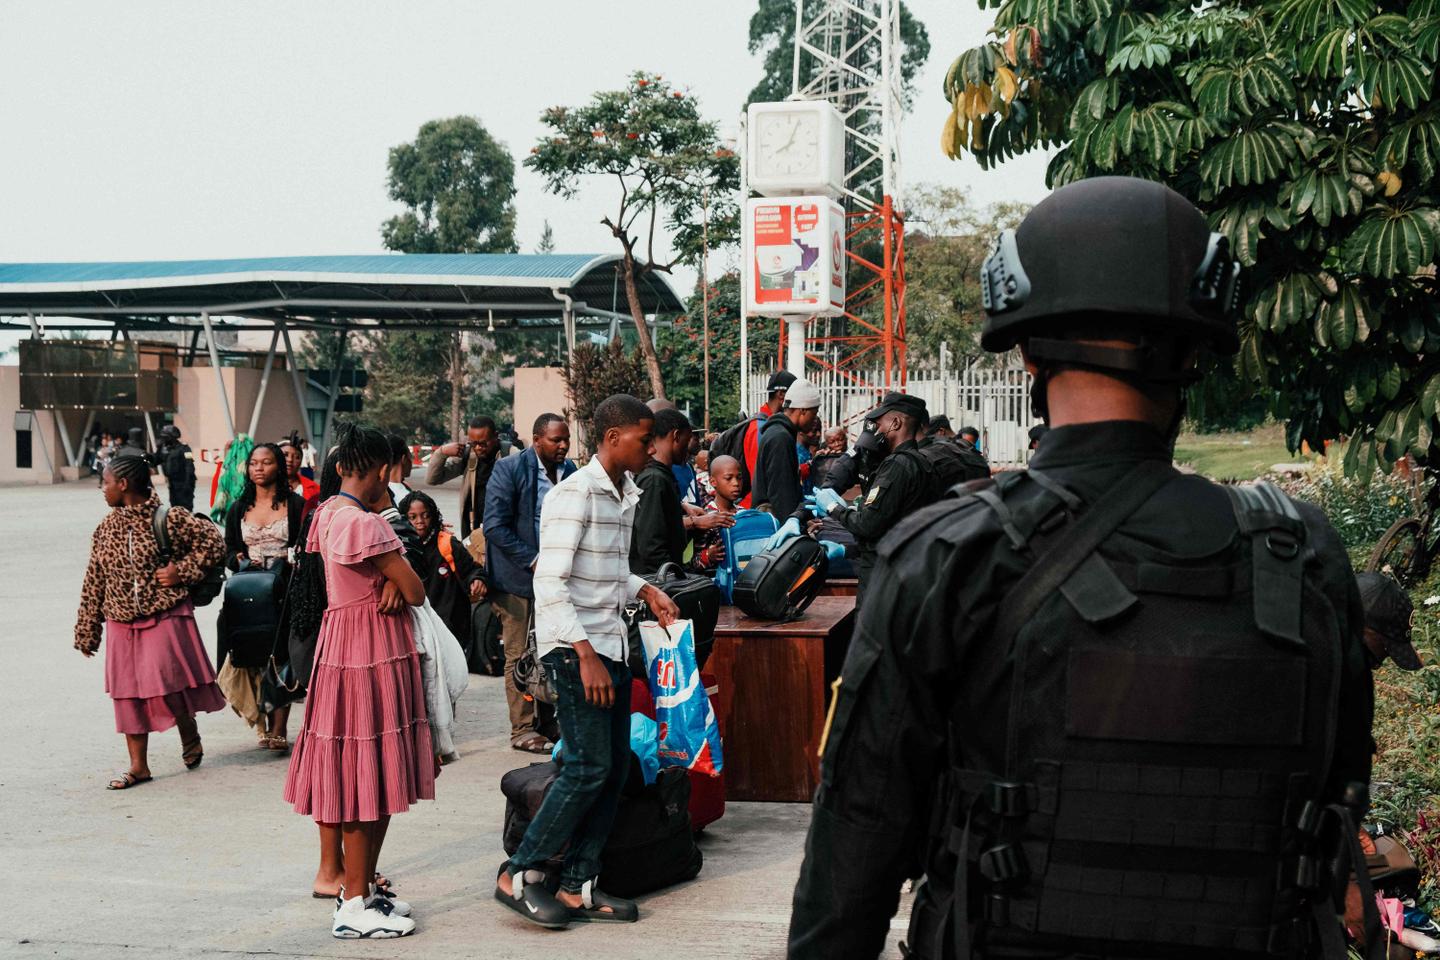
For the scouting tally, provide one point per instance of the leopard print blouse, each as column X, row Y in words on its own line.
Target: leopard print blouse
column 120, row 582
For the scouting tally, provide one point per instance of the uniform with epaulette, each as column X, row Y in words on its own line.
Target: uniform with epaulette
column 1101, row 707
column 177, row 462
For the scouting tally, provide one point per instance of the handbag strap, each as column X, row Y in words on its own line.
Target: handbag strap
column 162, row 535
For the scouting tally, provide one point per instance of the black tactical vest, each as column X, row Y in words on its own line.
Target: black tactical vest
column 1158, row 782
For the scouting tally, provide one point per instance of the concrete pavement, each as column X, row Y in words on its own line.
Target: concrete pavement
column 212, row 863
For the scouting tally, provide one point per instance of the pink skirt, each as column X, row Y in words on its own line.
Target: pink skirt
column 156, row 669
column 363, row 751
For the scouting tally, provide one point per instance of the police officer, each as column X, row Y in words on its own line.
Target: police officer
column 899, row 486
column 1102, row 707
column 177, row 462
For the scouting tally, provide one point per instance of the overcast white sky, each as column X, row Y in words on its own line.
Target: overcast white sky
column 171, row 130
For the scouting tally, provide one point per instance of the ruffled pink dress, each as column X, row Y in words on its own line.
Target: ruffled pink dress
column 364, row 750
column 156, row 669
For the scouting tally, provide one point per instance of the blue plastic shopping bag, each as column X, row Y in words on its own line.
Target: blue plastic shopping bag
column 689, row 732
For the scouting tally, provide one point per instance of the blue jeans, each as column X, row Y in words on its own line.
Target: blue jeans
column 581, row 803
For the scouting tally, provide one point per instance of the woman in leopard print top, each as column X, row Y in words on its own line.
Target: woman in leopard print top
column 156, row 669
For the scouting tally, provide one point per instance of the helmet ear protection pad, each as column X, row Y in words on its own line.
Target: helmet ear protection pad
column 1214, row 289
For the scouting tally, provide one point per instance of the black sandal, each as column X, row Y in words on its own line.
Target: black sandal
column 532, row 901
column 594, row 903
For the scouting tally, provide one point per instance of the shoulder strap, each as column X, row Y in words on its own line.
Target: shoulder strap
column 1096, row 523
column 162, row 536
column 1277, row 534
column 447, row 547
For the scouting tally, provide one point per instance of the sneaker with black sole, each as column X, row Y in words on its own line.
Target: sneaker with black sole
column 357, row 920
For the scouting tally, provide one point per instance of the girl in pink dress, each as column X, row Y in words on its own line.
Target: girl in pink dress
column 363, row 751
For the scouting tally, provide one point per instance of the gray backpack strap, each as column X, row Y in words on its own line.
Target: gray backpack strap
column 1277, row 535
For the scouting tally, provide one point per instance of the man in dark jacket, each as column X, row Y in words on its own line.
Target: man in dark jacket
column 513, row 497
column 662, row 525
column 777, row 469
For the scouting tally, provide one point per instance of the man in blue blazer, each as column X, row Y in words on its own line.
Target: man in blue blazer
column 516, row 490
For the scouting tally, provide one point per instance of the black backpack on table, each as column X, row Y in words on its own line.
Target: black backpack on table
column 779, row 584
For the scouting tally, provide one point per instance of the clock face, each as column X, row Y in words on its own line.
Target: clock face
column 788, row 144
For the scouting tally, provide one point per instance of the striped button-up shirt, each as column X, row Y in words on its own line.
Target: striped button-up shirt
column 582, row 574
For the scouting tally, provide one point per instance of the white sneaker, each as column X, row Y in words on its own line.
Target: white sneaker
column 397, row 906
column 356, row 920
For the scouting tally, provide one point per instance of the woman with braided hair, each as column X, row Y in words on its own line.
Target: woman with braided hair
column 364, row 751
column 156, row 668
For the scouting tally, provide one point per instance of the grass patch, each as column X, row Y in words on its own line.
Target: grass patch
column 1234, row 456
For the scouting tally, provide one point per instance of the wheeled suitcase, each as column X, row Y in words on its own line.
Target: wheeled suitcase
column 707, row 793
column 779, row 584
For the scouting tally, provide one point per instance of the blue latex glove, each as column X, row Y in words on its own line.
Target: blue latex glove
column 789, row 529
column 833, row 551
column 827, row 500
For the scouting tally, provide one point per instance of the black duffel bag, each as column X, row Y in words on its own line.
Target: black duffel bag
column 779, row 584
column 251, row 612
column 699, row 601
column 651, row 844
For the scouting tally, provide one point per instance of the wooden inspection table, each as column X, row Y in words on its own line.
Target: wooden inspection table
column 840, row 587
column 773, row 681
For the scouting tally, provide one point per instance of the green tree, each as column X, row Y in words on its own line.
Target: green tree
column 668, row 161
column 547, row 240
column 772, row 33
column 947, row 239
column 458, row 186
column 1308, row 132
column 597, row 371
column 682, row 346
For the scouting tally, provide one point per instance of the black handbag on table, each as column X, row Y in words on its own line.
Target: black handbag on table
column 699, row 601
column 779, row 584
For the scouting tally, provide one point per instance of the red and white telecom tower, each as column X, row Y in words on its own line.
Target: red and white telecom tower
column 847, row 55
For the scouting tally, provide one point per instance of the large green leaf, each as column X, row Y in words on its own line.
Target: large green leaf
column 1240, row 223
column 1291, row 300
column 1324, row 195
column 1392, row 241
column 1397, row 79
column 1094, row 101
column 1430, row 396
column 1309, row 17
column 1344, row 320
column 1249, row 157
column 1414, row 141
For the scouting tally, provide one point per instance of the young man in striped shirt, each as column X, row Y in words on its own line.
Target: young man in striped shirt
column 582, row 584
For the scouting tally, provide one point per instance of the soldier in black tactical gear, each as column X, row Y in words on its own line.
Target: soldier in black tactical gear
column 1104, row 708
column 900, row 485
column 177, row 462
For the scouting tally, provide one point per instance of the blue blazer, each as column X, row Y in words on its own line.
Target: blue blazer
column 510, row 512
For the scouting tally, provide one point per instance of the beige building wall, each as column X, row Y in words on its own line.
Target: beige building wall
column 541, row 390
column 46, row 455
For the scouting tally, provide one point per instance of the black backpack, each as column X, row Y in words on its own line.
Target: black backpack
column 699, row 601
column 210, row 585
column 486, row 651
column 947, row 464
column 779, row 584
column 731, row 443
column 1166, row 750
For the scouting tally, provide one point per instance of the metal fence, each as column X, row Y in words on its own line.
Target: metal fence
column 993, row 398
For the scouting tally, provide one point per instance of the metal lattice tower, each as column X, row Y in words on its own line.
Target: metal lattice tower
column 848, row 52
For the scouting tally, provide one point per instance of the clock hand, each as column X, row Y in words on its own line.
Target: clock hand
column 794, row 131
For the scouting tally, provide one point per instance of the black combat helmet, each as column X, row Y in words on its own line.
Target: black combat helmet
column 1111, row 248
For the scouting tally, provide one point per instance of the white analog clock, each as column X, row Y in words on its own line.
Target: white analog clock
column 795, row 147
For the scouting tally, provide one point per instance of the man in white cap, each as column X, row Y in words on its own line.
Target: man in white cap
column 776, row 483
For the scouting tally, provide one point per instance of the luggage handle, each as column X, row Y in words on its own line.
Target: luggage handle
column 668, row 567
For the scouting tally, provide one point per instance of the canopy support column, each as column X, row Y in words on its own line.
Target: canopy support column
column 150, row 431
column 327, row 434
column 293, row 363
column 70, row 457
column 264, row 382
column 219, row 376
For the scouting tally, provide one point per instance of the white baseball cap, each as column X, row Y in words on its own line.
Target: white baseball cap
column 802, row 395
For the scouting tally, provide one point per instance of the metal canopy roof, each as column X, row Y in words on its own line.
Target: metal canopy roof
column 393, row 290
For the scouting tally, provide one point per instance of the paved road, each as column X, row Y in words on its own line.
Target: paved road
column 211, row 863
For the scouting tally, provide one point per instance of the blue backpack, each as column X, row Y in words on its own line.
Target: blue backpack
column 742, row 541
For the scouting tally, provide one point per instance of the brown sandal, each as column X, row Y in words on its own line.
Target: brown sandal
column 192, row 752
column 126, row 780
column 533, row 743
